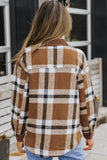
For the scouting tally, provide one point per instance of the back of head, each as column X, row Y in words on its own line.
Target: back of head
column 51, row 21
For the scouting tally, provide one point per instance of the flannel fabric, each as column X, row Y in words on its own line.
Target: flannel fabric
column 52, row 99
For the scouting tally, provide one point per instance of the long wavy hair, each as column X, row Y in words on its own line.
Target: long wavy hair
column 51, row 21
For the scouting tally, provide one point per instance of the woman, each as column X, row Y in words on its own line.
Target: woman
column 52, row 93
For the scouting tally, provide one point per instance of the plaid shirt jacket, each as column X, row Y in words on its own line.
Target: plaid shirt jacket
column 52, row 96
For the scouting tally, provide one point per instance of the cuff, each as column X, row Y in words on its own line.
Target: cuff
column 88, row 135
column 20, row 137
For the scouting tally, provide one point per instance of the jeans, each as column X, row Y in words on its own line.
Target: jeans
column 75, row 154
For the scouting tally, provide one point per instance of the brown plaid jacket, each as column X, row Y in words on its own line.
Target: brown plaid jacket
column 52, row 96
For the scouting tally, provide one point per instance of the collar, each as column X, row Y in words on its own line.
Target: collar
column 57, row 42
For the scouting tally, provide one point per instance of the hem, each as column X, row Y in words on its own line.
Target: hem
column 54, row 155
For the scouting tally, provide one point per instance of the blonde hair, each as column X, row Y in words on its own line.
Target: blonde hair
column 51, row 21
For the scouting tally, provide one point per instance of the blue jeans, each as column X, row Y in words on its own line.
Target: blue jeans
column 75, row 154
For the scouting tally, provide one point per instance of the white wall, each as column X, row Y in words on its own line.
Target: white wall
column 40, row 2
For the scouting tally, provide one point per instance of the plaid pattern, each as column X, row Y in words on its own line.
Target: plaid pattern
column 52, row 96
